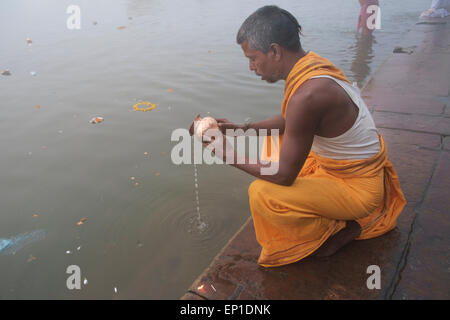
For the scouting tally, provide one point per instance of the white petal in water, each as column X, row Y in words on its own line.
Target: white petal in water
column 85, row 282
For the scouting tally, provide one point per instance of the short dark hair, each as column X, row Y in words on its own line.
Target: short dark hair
column 270, row 24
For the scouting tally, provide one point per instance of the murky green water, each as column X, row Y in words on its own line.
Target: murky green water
column 57, row 168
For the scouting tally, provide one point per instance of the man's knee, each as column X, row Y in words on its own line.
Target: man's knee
column 256, row 188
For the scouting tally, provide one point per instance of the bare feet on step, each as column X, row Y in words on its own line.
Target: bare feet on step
column 351, row 231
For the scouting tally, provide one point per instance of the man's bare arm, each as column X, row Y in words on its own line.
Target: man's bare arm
column 274, row 122
column 303, row 118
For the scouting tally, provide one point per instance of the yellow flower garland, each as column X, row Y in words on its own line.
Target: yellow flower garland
column 150, row 105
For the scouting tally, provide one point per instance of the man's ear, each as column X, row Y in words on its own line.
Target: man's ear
column 275, row 49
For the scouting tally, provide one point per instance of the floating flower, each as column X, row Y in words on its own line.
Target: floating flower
column 96, row 120
column 83, row 220
column 150, row 105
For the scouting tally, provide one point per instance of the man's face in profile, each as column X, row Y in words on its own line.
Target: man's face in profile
column 263, row 64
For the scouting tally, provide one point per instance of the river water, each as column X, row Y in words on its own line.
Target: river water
column 108, row 195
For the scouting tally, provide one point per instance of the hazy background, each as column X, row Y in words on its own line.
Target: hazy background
column 56, row 167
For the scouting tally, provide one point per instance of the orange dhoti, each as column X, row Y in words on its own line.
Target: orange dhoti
column 291, row 222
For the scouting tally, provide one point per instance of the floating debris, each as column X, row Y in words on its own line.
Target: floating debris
column 31, row 258
column 68, row 252
column 121, row 27
column 13, row 244
column 96, row 120
column 213, row 288
column 29, row 42
column 201, row 287
column 132, row 178
column 33, row 73
column 145, row 153
column 83, row 220
column 403, row 50
column 38, row 107
column 150, row 105
column 6, row 72
column 35, row 215
column 115, row 289
column 94, row 23
column 170, row 90
column 85, row 282
column 78, row 249
column 60, row 131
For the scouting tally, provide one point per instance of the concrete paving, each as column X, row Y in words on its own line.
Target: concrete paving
column 409, row 99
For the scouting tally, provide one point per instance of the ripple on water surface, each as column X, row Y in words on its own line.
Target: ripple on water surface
column 199, row 224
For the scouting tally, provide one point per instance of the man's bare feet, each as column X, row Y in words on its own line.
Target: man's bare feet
column 351, row 231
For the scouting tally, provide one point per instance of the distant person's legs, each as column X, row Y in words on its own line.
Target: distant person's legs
column 364, row 16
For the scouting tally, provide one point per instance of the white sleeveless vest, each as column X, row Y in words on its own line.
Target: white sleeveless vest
column 360, row 141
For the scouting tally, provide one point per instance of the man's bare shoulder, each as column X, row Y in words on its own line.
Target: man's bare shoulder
column 309, row 104
column 318, row 90
column 316, row 95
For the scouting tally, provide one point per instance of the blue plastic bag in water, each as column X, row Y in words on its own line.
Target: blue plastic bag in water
column 13, row 244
